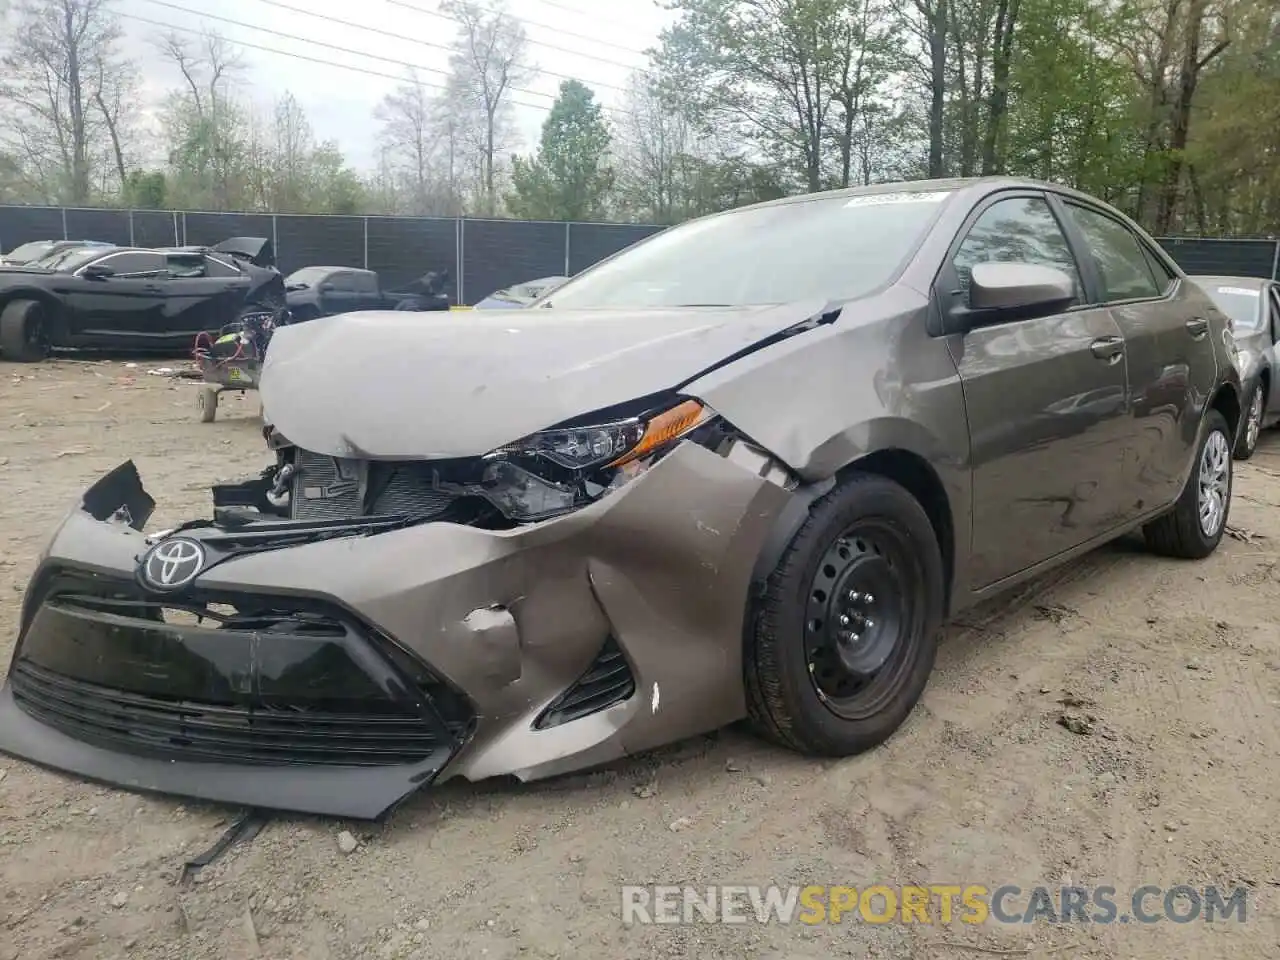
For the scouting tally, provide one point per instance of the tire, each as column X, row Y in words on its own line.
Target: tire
column 855, row 530
column 23, row 334
column 207, row 404
column 1180, row 533
column 1247, row 442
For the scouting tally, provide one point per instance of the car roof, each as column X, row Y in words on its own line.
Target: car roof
column 320, row 266
column 948, row 184
column 1250, row 283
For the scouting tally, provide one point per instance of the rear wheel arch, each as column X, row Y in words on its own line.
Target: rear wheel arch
column 1227, row 402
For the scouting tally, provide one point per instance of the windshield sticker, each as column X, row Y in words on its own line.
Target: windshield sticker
column 1240, row 291
column 881, row 199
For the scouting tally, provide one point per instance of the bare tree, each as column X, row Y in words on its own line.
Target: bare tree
column 489, row 60
column 64, row 84
column 291, row 156
column 409, row 142
column 654, row 145
column 206, row 127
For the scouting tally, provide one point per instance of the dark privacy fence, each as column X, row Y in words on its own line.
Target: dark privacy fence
column 482, row 255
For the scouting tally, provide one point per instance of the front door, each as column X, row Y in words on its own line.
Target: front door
column 338, row 294
column 1046, row 400
column 130, row 302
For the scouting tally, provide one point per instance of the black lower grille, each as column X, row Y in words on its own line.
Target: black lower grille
column 608, row 680
column 192, row 731
column 232, row 678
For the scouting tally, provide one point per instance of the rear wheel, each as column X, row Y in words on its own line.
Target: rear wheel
column 842, row 642
column 24, row 335
column 1252, row 429
column 1194, row 527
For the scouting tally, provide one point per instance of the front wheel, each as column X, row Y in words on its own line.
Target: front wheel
column 1248, row 440
column 1194, row 527
column 841, row 645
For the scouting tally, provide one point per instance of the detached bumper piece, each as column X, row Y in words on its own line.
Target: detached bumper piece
column 268, row 701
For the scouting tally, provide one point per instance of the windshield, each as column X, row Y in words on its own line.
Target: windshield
column 308, row 275
column 1242, row 304
column 30, row 251
column 829, row 248
column 69, row 260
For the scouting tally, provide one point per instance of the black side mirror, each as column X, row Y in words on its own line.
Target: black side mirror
column 97, row 271
column 1004, row 291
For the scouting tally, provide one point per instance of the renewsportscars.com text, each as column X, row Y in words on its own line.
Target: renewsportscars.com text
column 933, row 904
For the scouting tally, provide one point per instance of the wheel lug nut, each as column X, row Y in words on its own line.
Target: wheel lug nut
column 868, row 624
column 844, row 620
column 854, row 596
column 868, row 598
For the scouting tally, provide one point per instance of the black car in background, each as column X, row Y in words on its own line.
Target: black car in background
column 324, row 291
column 133, row 298
column 39, row 249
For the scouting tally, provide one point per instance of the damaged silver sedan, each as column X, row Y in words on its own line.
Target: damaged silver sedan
column 745, row 468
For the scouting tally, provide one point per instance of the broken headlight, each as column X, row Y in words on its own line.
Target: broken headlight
column 554, row 471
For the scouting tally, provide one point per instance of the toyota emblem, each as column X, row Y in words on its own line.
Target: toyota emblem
column 173, row 563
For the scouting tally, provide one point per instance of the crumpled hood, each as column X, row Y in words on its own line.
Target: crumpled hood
column 403, row 385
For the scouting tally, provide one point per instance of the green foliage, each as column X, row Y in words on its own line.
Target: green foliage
column 570, row 177
column 1168, row 108
column 146, row 190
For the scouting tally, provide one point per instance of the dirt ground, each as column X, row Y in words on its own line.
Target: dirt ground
column 1175, row 780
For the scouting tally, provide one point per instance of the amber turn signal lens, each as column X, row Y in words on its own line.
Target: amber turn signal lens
column 665, row 427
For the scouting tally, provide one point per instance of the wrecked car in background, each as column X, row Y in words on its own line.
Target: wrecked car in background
column 520, row 295
column 326, row 291
column 1253, row 306
column 39, row 249
column 746, row 467
column 133, row 298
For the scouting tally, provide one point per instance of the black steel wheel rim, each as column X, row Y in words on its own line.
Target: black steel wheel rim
column 862, row 611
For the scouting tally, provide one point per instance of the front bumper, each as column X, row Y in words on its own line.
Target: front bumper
column 352, row 670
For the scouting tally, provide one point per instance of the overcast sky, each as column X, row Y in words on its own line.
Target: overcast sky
column 575, row 38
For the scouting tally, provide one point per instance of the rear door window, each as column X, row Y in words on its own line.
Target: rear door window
column 1124, row 270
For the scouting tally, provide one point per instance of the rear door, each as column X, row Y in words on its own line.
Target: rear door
column 1172, row 362
column 130, row 302
column 1045, row 398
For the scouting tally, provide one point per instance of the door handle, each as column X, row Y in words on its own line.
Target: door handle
column 1197, row 327
column 153, row 288
column 1107, row 348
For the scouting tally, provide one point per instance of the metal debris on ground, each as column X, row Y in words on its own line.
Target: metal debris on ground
column 1053, row 612
column 241, row 831
column 1078, row 723
column 1243, row 535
